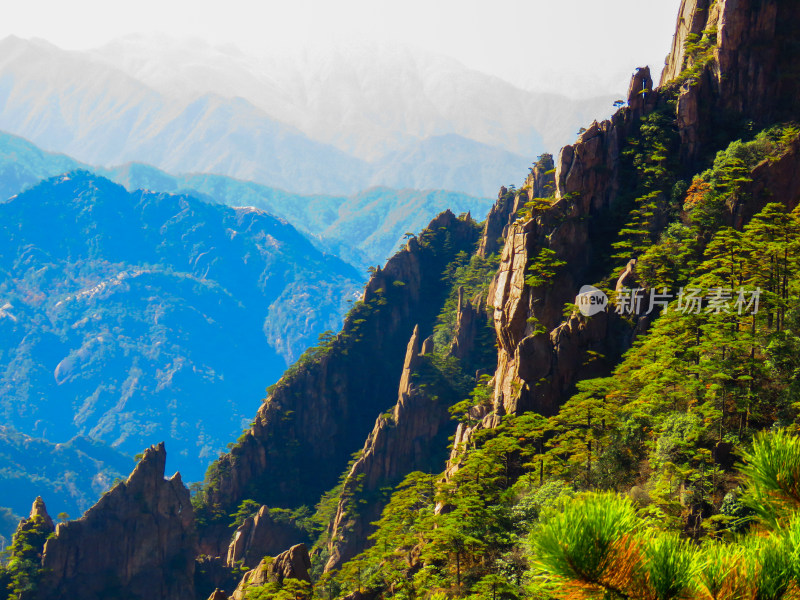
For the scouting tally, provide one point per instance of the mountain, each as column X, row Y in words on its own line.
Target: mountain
column 275, row 122
column 579, row 397
column 341, row 95
column 67, row 102
column 69, row 476
column 116, row 306
column 363, row 229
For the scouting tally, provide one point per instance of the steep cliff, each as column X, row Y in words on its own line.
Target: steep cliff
column 733, row 61
column 294, row 563
column 137, row 542
column 317, row 415
column 540, row 354
column 260, row 535
column 410, row 438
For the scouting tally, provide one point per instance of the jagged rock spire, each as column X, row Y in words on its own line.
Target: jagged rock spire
column 40, row 510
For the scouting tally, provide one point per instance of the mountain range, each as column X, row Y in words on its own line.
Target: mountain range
column 329, row 124
column 363, row 229
column 116, row 305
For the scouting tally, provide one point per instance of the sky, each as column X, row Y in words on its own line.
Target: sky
column 578, row 47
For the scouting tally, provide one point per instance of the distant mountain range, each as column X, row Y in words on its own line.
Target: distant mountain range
column 128, row 317
column 363, row 229
column 330, row 124
column 133, row 317
column 70, row 475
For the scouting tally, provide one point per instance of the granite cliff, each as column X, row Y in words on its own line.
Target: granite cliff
column 317, row 414
column 575, row 221
column 138, row 541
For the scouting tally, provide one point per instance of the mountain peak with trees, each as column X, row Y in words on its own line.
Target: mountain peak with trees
column 649, row 450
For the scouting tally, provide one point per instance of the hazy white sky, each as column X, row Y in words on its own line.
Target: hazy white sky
column 588, row 44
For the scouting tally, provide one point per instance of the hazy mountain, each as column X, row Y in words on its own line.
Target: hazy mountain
column 334, row 123
column 365, row 98
column 138, row 317
column 362, row 229
column 69, row 102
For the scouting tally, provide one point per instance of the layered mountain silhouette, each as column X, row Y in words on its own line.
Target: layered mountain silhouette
column 335, row 124
column 363, row 229
column 133, row 316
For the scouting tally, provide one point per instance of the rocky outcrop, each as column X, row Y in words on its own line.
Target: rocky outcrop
column 540, row 183
column 742, row 67
column 38, row 518
column 259, row 536
column 218, row 595
column 692, row 17
column 294, row 563
column 138, row 540
column 736, row 72
column 312, row 421
column 411, row 438
column 772, row 179
column 469, row 320
column 496, row 221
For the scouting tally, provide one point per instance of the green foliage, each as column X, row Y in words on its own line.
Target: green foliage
column 246, row 509
column 773, row 469
column 288, row 589
column 672, row 420
column 580, row 542
column 669, row 566
column 651, row 156
column 543, row 268
column 22, row 571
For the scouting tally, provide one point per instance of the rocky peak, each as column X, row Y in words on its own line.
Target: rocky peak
column 540, row 183
column 409, row 440
column 496, row 221
column 310, row 424
column 641, row 98
column 259, row 536
column 139, row 538
column 39, row 513
column 294, row 563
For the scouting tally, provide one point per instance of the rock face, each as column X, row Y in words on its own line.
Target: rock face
column 294, row 563
column 306, row 430
column 38, row 513
column 138, row 540
column 496, row 222
column 259, row 536
column 409, row 439
column 742, row 66
column 468, row 321
column 749, row 71
column 539, row 354
column 540, row 183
